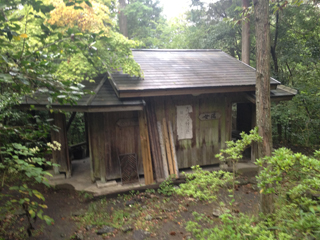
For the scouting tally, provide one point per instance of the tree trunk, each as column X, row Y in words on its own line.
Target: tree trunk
column 245, row 55
column 261, row 12
column 123, row 22
column 273, row 48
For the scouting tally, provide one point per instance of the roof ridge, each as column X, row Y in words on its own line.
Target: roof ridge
column 97, row 89
column 177, row 50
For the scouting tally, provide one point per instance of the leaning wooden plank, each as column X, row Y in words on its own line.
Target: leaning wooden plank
column 154, row 140
column 163, row 151
column 167, row 144
column 145, row 149
column 173, row 151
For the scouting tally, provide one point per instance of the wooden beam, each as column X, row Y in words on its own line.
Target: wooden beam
column 167, row 144
column 70, row 120
column 254, row 145
column 106, row 154
column 173, row 151
column 185, row 91
column 163, row 151
column 250, row 98
column 228, row 109
column 96, row 90
column 154, row 140
column 85, row 108
column 90, row 144
column 145, row 148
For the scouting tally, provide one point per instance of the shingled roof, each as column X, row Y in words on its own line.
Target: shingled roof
column 167, row 72
column 174, row 72
column 104, row 99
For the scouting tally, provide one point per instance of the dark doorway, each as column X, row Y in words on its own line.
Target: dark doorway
column 242, row 121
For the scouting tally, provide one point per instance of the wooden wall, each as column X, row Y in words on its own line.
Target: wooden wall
column 114, row 133
column 208, row 135
column 61, row 157
column 111, row 134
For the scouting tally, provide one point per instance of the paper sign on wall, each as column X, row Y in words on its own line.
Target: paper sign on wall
column 184, row 122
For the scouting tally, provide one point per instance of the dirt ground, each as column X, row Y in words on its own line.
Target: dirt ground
column 147, row 215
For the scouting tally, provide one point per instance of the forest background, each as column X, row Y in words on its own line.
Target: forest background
column 52, row 46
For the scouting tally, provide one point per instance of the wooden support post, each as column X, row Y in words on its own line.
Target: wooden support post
column 173, row 150
column 145, row 148
column 61, row 157
column 89, row 141
column 86, row 134
column 106, row 159
column 228, row 107
column 167, row 144
column 163, row 151
column 254, row 145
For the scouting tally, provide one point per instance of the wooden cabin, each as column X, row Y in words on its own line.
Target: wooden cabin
column 184, row 102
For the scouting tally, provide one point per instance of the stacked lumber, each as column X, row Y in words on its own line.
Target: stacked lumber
column 170, row 148
column 145, row 149
column 161, row 143
column 173, row 150
column 157, row 158
column 163, row 151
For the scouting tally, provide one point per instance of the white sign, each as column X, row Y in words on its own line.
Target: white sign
column 184, row 122
column 209, row 116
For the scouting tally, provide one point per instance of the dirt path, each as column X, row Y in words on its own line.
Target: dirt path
column 131, row 216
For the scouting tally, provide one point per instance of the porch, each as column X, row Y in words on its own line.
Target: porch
column 81, row 179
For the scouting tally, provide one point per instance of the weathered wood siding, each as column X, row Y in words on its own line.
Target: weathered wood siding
column 111, row 134
column 209, row 136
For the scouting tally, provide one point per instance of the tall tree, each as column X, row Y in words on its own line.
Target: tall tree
column 123, row 20
column 144, row 20
column 263, row 108
column 245, row 53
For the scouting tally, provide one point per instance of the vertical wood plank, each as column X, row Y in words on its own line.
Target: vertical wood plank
column 154, row 139
column 167, row 144
column 163, row 151
column 254, row 145
column 173, row 151
column 89, row 131
column 145, row 148
column 228, row 109
column 61, row 157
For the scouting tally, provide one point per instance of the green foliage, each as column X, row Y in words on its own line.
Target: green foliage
column 298, row 53
column 204, row 185
column 166, row 187
column 144, row 17
column 290, row 174
column 98, row 215
column 150, row 191
column 295, row 180
column 76, row 132
column 232, row 227
column 41, row 56
column 24, row 162
column 235, row 149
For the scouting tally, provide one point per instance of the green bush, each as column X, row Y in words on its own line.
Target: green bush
column 204, row 185
column 293, row 177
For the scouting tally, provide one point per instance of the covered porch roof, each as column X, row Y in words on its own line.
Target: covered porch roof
column 104, row 99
